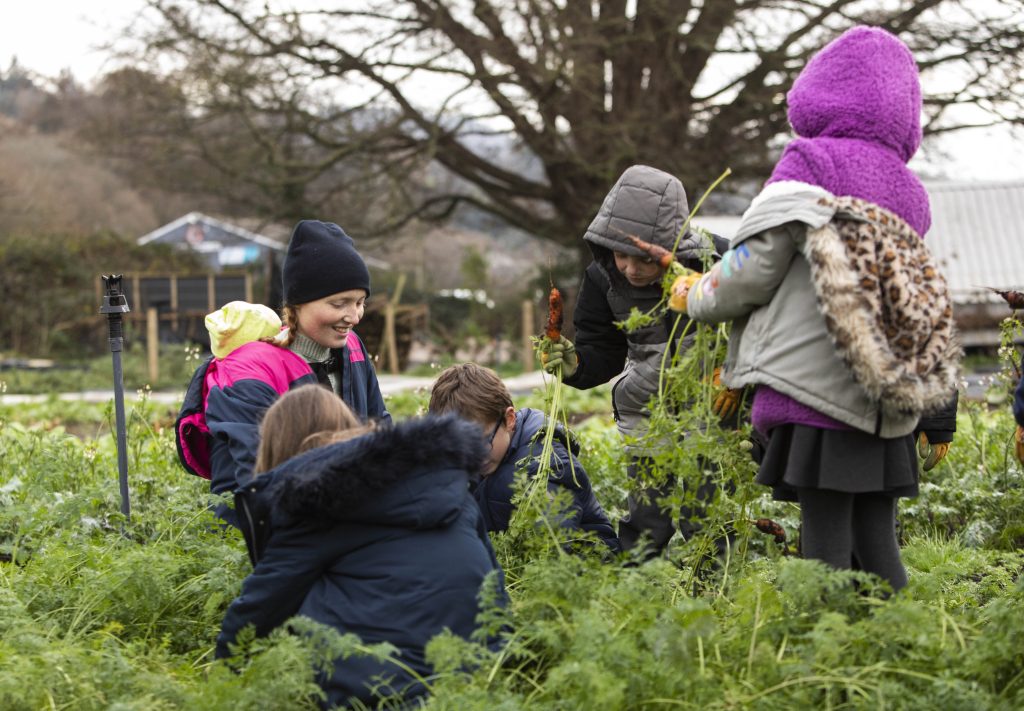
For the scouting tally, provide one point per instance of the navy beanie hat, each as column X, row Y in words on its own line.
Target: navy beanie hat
column 321, row 260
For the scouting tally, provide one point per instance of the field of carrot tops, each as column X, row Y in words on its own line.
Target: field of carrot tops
column 98, row 612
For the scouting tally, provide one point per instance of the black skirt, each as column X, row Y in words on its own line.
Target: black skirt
column 850, row 461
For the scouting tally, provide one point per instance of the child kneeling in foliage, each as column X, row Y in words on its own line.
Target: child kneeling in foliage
column 514, row 439
column 841, row 319
column 369, row 530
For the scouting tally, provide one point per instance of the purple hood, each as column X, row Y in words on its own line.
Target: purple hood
column 856, row 108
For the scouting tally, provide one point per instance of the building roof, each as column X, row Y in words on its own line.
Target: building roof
column 184, row 230
column 208, row 234
column 976, row 236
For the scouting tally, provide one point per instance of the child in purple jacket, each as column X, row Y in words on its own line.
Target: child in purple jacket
column 840, row 318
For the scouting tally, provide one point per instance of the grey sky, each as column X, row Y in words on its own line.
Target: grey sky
column 50, row 35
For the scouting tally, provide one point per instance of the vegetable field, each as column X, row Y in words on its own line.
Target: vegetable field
column 100, row 613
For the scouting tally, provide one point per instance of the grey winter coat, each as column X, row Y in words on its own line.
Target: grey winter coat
column 651, row 205
column 779, row 335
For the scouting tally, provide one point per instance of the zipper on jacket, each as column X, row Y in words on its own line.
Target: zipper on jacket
column 615, row 410
column 252, row 529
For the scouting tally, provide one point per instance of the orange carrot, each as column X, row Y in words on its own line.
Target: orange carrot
column 553, row 329
column 662, row 256
column 1014, row 298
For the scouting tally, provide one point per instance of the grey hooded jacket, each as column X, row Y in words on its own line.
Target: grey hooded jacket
column 650, row 204
column 779, row 337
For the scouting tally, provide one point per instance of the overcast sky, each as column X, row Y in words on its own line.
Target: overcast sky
column 50, row 35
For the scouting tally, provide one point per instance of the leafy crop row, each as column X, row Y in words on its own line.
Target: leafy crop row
column 97, row 612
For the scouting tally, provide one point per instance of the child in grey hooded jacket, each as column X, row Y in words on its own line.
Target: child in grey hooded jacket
column 649, row 204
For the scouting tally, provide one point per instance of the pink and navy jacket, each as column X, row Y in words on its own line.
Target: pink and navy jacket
column 217, row 431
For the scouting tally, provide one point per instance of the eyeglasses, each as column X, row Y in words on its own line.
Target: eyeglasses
column 490, row 440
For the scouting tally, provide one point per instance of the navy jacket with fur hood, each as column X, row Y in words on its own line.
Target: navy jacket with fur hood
column 377, row 536
column 494, row 492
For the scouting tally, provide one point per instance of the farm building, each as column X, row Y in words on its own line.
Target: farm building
column 976, row 238
column 221, row 244
column 241, row 264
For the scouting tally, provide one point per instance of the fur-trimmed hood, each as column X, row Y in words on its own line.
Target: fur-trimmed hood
column 414, row 475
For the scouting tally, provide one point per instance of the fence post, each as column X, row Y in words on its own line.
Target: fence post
column 527, row 338
column 390, row 346
column 153, row 344
column 211, row 293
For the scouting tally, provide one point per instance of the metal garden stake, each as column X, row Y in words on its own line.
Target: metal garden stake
column 114, row 305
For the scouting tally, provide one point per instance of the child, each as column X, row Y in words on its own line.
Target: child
column 514, row 439
column 326, row 284
column 374, row 533
column 651, row 205
column 846, row 352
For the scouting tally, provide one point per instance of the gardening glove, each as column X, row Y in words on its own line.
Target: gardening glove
column 681, row 289
column 727, row 401
column 931, row 453
column 1019, row 444
column 559, row 354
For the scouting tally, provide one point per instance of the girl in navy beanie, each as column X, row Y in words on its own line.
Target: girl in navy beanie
column 326, row 284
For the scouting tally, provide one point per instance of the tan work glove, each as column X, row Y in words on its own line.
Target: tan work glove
column 931, row 453
column 681, row 289
column 559, row 354
column 727, row 401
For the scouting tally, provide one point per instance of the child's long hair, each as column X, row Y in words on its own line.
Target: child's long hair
column 290, row 319
column 304, row 418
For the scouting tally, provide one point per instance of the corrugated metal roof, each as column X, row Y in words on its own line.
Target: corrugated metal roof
column 976, row 236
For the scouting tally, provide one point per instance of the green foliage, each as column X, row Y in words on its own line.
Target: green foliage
column 99, row 612
column 49, row 282
column 176, row 364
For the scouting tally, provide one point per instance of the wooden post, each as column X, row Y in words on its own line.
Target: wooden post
column 390, row 338
column 248, row 287
column 211, row 293
column 153, row 344
column 527, row 342
column 174, row 302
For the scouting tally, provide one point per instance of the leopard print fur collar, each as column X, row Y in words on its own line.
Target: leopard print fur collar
column 887, row 307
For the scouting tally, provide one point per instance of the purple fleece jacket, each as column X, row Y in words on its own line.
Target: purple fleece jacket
column 856, row 109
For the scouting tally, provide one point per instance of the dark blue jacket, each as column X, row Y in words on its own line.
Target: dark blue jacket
column 377, row 536
column 217, row 431
column 494, row 492
column 1018, row 403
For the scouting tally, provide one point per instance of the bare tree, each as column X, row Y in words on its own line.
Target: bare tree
column 579, row 89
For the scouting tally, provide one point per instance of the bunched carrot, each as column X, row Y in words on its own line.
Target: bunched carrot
column 553, row 329
column 1014, row 298
column 659, row 254
column 766, row 525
